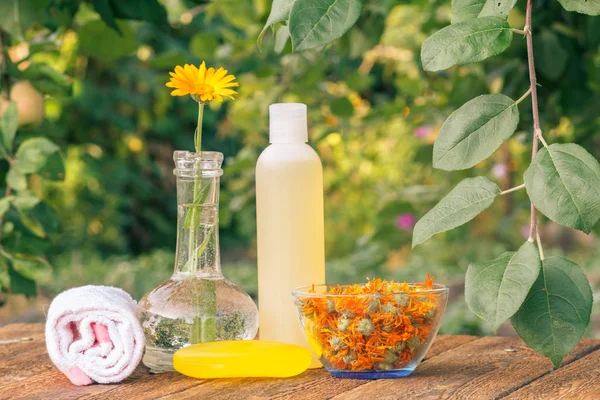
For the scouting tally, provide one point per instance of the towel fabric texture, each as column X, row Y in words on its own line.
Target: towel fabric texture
column 93, row 334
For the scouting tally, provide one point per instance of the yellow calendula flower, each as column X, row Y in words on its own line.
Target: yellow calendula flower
column 204, row 85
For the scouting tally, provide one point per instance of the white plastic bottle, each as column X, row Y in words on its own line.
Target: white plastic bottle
column 290, row 224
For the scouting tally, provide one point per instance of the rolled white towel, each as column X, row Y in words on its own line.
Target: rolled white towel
column 93, row 335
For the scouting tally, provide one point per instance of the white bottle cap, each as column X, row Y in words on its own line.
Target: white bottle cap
column 288, row 123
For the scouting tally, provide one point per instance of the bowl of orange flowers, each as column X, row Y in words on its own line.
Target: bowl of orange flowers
column 379, row 329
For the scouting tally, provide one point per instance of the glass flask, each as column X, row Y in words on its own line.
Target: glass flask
column 197, row 304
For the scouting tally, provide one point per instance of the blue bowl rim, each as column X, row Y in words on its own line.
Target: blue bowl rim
column 304, row 290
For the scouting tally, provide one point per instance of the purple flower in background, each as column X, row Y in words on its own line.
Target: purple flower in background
column 525, row 231
column 423, row 131
column 406, row 221
column 500, row 170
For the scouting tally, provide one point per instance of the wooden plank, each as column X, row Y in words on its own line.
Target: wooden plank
column 144, row 385
column 23, row 358
column 577, row 380
column 15, row 331
column 313, row 384
column 444, row 343
column 48, row 385
column 486, row 368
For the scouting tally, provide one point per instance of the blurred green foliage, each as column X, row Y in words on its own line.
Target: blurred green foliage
column 373, row 112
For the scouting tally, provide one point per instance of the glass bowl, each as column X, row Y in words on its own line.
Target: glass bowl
column 370, row 336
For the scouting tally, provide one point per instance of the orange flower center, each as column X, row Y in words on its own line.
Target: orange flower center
column 204, row 89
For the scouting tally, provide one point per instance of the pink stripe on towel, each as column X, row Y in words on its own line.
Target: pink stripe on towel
column 78, row 377
column 101, row 332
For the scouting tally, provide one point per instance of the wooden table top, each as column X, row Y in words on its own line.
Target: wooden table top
column 461, row 367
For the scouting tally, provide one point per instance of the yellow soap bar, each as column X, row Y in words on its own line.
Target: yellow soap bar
column 241, row 359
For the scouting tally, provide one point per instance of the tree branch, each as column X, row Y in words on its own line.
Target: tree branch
column 6, row 93
column 537, row 131
column 4, row 64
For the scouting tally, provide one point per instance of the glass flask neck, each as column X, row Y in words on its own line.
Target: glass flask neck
column 198, row 177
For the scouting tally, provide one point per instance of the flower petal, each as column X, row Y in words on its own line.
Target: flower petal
column 202, row 73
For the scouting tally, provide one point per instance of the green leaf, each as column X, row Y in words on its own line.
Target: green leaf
column 280, row 12
column 16, row 178
column 465, row 42
column 47, row 80
column 54, row 168
column 589, row 7
column 557, row 310
column 34, row 154
column 8, row 126
column 4, row 276
column 25, row 200
column 36, row 215
column 475, row 131
column 141, row 10
column 463, row 10
column 5, row 205
column 315, row 23
column 20, row 284
column 104, row 9
column 281, row 38
column 32, row 267
column 494, row 290
column 551, row 54
column 497, row 8
column 342, row 107
column 112, row 46
column 592, row 32
column 16, row 16
column 58, row 14
column 563, row 182
column 469, row 198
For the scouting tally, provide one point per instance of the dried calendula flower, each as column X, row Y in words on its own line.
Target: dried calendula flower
column 389, row 308
column 430, row 314
column 414, row 342
column 400, row 346
column 337, row 343
column 343, row 324
column 390, row 357
column 365, row 326
column 402, row 300
column 373, row 304
column 383, row 366
column 350, row 357
column 330, row 306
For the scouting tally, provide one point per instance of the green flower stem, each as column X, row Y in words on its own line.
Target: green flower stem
column 197, row 190
column 198, row 137
column 205, row 300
